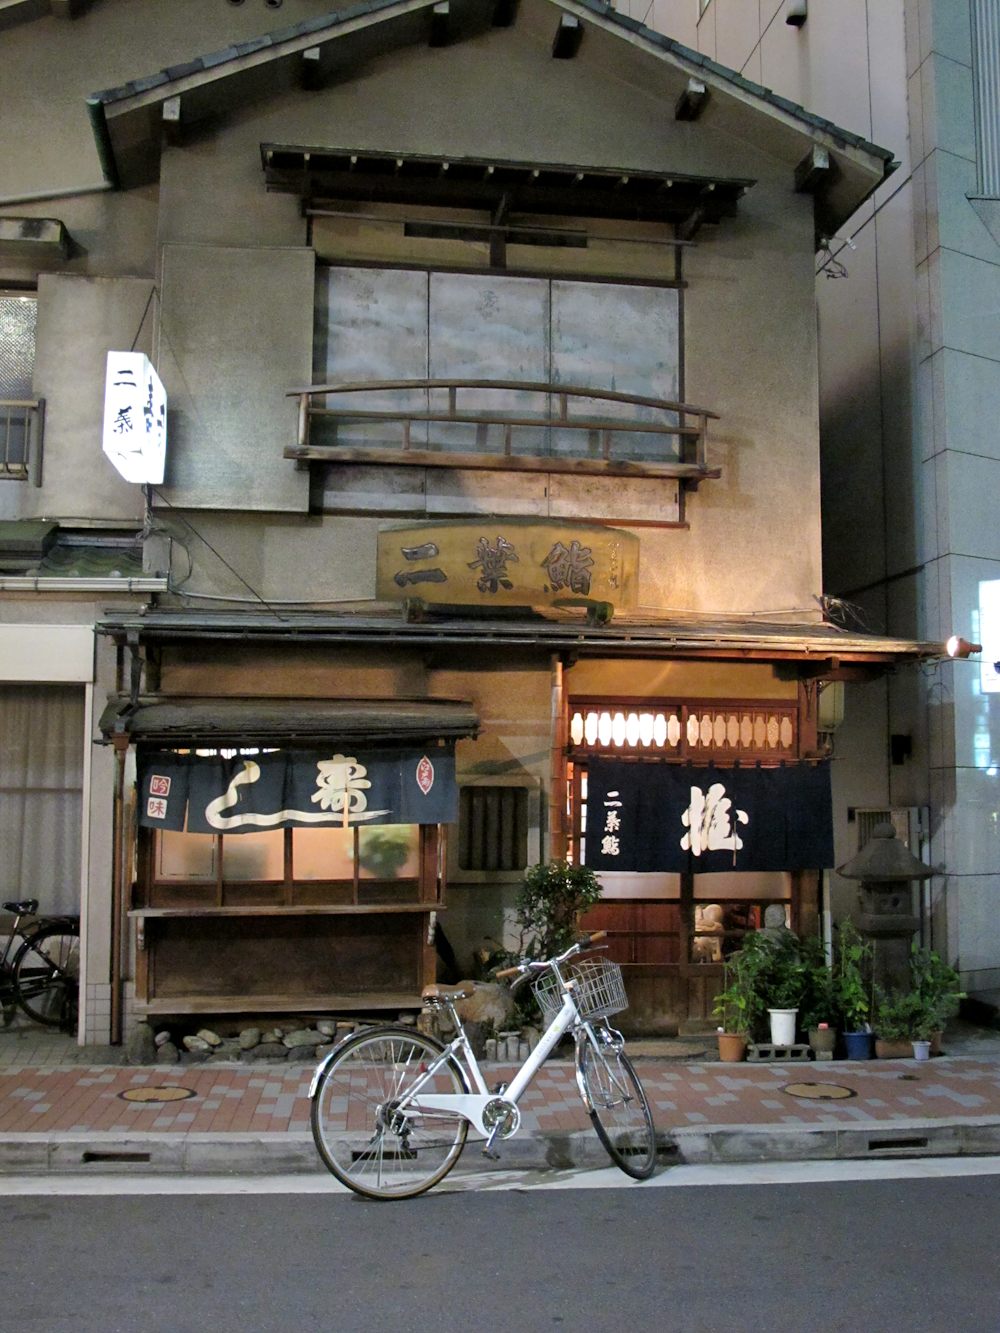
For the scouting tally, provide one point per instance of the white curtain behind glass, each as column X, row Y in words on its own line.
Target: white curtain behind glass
column 41, row 794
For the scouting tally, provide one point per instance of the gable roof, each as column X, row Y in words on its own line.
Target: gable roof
column 125, row 119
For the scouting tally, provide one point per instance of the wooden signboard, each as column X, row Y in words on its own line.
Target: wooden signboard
column 509, row 562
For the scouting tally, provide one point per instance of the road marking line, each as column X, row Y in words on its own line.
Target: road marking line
column 753, row 1173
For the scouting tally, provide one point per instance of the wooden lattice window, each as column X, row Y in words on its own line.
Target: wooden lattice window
column 711, row 729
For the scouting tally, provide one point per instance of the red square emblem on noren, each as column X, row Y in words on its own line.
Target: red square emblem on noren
column 159, row 786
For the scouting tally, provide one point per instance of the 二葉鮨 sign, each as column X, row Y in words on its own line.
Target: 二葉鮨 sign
column 135, row 418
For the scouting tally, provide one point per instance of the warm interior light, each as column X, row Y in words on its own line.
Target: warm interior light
column 957, row 647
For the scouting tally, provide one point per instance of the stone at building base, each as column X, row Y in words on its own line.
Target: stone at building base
column 823, row 1055
column 766, row 1051
column 167, row 1054
column 140, row 1049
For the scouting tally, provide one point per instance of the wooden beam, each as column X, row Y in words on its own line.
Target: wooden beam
column 569, row 35
column 692, row 101
column 813, row 171
column 440, row 23
column 597, row 467
column 311, row 69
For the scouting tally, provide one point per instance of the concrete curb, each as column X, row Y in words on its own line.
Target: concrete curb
column 294, row 1153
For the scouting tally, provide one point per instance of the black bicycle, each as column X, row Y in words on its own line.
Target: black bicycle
column 42, row 974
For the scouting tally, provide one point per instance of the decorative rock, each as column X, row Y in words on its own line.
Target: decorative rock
column 197, row 1043
column 140, row 1048
column 167, row 1054
column 491, row 1049
column 477, row 1039
column 345, row 1030
column 195, row 1057
column 249, row 1038
column 408, row 1019
column 489, row 1003
column 302, row 1037
column 162, row 1037
column 327, row 1027
column 271, row 1050
column 228, row 1050
column 271, row 1038
column 513, row 1045
column 323, row 1051
column 210, row 1037
column 302, row 1055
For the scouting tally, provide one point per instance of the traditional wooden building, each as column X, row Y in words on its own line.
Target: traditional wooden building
column 489, row 346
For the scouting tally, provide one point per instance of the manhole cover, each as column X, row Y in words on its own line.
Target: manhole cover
column 819, row 1092
column 172, row 1094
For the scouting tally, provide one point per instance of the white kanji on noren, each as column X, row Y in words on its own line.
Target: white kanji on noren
column 609, row 846
column 710, row 826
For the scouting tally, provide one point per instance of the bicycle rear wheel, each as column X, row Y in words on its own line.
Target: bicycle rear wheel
column 47, row 976
column 371, row 1145
column 618, row 1107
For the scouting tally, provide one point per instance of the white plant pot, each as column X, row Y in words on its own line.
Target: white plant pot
column 783, row 1026
column 921, row 1050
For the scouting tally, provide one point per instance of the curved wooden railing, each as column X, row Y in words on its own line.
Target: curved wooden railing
column 690, row 427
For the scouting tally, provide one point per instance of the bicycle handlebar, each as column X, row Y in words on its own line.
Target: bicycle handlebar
column 579, row 947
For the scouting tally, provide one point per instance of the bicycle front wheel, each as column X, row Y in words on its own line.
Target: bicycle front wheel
column 364, row 1131
column 47, row 976
column 618, row 1107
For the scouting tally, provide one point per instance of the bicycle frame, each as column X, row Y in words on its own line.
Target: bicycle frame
column 472, row 1105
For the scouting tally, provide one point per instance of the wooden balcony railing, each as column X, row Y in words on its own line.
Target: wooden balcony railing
column 21, row 439
column 687, row 425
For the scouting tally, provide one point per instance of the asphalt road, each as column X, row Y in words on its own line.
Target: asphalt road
column 857, row 1256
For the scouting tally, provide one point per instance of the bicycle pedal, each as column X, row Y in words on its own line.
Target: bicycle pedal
column 490, row 1155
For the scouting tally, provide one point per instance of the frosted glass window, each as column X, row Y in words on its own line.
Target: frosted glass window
column 254, row 856
column 188, row 856
column 389, row 851
column 323, row 853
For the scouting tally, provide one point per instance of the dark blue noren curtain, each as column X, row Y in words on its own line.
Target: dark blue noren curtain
column 656, row 817
column 288, row 788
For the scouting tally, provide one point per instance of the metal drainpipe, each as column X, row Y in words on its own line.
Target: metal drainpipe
column 557, row 765
column 121, row 741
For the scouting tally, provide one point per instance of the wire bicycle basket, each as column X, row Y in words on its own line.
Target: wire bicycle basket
column 598, row 990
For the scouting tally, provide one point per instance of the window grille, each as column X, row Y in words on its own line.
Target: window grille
column 493, row 828
column 19, row 411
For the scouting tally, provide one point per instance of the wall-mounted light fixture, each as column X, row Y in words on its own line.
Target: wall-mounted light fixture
column 958, row 647
column 797, row 13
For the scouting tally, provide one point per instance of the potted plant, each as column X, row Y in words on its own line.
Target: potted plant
column 737, row 1007
column 782, row 982
column 854, row 957
column 895, row 1018
column 938, row 985
column 819, row 1009
column 904, row 1021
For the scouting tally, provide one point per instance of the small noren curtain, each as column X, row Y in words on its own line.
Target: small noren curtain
column 41, row 794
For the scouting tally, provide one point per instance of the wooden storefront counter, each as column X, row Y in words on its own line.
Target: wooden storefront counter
column 233, row 959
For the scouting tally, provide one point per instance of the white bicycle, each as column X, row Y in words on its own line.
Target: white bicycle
column 391, row 1107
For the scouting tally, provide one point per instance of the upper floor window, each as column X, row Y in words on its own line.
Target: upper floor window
column 18, row 408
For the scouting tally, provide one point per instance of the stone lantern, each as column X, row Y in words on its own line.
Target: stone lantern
column 887, row 869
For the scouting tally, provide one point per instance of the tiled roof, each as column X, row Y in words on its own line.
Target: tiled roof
column 326, row 25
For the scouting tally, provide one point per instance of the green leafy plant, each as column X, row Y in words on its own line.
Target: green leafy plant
column 820, row 1001
column 936, row 983
column 904, row 1016
column 550, row 902
column 852, row 989
column 738, row 1006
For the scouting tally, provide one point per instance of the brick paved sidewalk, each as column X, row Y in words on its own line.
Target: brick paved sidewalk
column 237, row 1099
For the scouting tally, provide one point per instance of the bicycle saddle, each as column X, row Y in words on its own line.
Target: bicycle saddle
column 438, row 992
column 28, row 907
